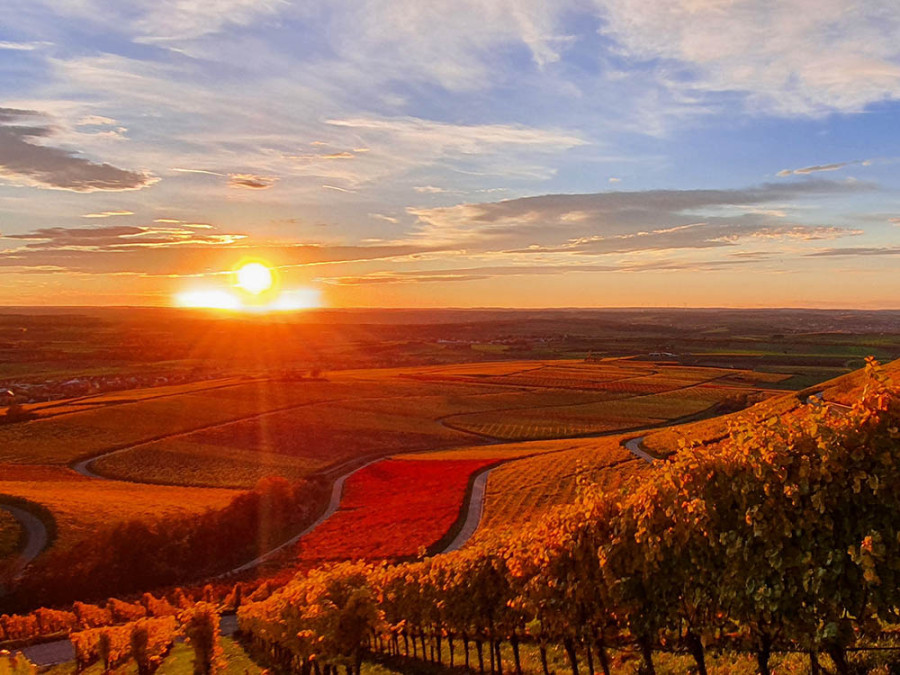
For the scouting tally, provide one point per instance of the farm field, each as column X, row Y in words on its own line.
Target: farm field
column 81, row 505
column 316, row 426
column 560, row 421
column 524, row 490
column 83, row 433
column 391, row 510
column 185, row 449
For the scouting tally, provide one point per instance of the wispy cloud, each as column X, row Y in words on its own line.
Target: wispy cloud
column 201, row 171
column 492, row 272
column 820, row 167
column 118, row 237
column 623, row 221
column 857, row 251
column 251, row 181
column 24, row 161
column 22, row 46
column 107, row 214
column 95, row 120
column 786, row 59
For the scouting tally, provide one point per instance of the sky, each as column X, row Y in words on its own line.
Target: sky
column 465, row 153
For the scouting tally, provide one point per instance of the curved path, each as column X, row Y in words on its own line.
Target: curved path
column 337, row 491
column 473, row 510
column 36, row 537
column 636, row 447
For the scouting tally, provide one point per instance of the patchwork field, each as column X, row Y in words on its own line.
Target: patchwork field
column 184, row 449
column 230, row 433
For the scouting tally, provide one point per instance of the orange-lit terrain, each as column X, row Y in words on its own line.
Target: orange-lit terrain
column 371, row 463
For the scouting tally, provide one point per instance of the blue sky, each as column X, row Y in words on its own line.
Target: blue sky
column 467, row 153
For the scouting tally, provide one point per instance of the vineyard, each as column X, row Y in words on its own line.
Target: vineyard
column 787, row 536
column 229, row 433
column 391, row 510
column 183, row 450
column 767, row 543
column 522, row 492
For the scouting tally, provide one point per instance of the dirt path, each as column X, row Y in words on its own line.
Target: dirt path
column 36, row 537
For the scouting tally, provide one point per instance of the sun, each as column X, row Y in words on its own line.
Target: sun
column 255, row 278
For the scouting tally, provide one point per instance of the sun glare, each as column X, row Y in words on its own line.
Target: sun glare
column 254, row 289
column 209, row 299
column 255, row 278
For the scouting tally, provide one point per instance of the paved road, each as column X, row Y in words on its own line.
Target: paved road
column 36, row 537
column 62, row 651
column 636, row 447
column 337, row 491
column 473, row 510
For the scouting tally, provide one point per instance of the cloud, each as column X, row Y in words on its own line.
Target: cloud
column 203, row 171
column 22, row 46
column 251, row 181
column 25, row 162
column 95, row 120
column 460, row 138
column 784, row 57
column 172, row 249
column 107, row 214
column 381, row 216
column 492, row 272
column 112, row 238
column 152, row 251
column 429, row 189
column 165, row 21
column 609, row 222
column 820, row 167
column 856, row 251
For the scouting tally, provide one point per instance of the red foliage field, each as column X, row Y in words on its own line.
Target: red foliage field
column 391, row 509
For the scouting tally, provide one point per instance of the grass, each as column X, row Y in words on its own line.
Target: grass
column 179, row 662
column 293, row 444
column 624, row 661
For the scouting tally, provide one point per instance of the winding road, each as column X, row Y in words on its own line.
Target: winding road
column 473, row 510
column 337, row 491
column 636, row 447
